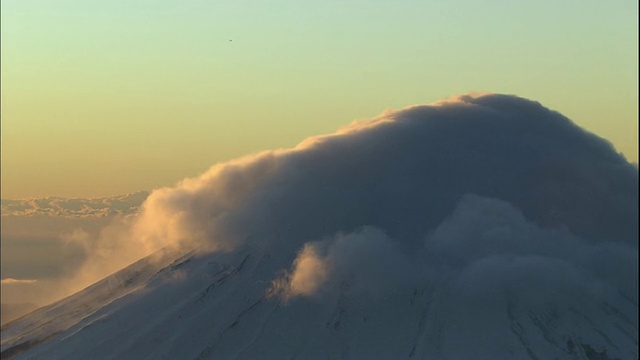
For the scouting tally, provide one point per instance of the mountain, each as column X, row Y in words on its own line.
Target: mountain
column 474, row 228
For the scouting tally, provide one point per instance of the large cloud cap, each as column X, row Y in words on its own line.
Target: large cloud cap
column 404, row 172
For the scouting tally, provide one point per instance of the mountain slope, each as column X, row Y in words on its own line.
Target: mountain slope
column 199, row 308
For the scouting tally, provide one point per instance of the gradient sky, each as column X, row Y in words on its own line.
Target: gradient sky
column 112, row 97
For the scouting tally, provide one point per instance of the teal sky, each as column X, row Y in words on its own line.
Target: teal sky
column 110, row 97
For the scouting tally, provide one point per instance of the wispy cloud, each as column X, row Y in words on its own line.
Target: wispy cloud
column 12, row 281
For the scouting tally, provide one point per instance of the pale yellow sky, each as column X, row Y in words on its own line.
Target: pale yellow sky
column 117, row 97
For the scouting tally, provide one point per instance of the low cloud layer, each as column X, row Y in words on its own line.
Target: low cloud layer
column 12, row 281
column 75, row 208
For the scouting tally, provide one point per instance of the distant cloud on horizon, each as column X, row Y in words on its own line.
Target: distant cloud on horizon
column 12, row 281
column 75, row 207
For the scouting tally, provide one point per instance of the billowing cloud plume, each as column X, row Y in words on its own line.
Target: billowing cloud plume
column 485, row 249
column 402, row 173
column 12, row 281
column 544, row 193
column 365, row 262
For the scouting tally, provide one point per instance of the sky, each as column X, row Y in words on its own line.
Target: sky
column 108, row 98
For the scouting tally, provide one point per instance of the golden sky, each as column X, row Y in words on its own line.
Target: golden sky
column 115, row 97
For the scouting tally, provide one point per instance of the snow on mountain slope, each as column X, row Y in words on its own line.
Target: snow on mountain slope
column 476, row 228
column 201, row 307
